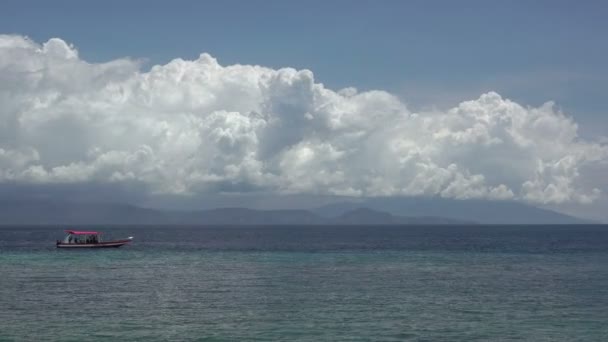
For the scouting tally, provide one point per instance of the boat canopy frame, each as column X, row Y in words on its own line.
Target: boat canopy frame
column 76, row 232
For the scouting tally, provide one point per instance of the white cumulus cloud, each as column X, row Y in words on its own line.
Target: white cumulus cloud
column 196, row 127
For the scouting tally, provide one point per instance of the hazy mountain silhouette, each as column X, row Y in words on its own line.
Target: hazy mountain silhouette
column 481, row 211
column 372, row 211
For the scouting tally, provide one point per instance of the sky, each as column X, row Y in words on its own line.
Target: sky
column 192, row 99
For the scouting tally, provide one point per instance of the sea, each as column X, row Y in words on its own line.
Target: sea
column 308, row 283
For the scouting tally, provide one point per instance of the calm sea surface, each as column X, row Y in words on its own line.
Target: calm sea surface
column 427, row 283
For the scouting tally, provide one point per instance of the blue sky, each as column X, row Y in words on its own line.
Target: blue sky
column 198, row 128
column 430, row 53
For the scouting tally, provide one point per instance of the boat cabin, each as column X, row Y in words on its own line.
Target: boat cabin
column 80, row 237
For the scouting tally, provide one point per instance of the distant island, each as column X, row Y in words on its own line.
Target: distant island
column 369, row 212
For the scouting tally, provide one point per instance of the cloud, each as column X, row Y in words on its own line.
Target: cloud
column 197, row 127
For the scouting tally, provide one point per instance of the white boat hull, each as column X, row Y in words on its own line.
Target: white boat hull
column 105, row 244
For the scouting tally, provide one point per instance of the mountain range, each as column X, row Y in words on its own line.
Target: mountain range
column 381, row 211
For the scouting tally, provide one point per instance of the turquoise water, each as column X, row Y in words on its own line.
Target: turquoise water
column 309, row 284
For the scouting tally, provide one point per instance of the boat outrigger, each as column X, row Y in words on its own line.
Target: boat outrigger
column 79, row 239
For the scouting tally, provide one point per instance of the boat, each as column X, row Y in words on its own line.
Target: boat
column 81, row 239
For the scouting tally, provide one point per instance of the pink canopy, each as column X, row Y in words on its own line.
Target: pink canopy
column 81, row 233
